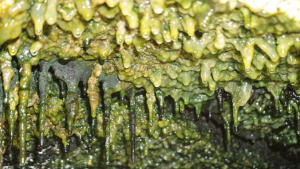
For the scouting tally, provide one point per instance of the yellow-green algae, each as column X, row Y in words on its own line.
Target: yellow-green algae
column 63, row 61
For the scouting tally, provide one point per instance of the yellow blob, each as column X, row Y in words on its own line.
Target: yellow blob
column 112, row 3
column 85, row 9
column 35, row 47
column 158, row 6
column 190, row 24
column 14, row 47
column 38, row 16
column 51, row 13
column 132, row 19
column 126, row 6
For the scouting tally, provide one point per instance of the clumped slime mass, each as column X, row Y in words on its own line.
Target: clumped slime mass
column 149, row 84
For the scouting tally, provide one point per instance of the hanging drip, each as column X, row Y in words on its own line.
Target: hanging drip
column 132, row 124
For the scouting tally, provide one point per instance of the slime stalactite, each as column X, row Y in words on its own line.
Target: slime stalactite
column 43, row 77
column 132, row 124
column 107, row 130
column 158, row 84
